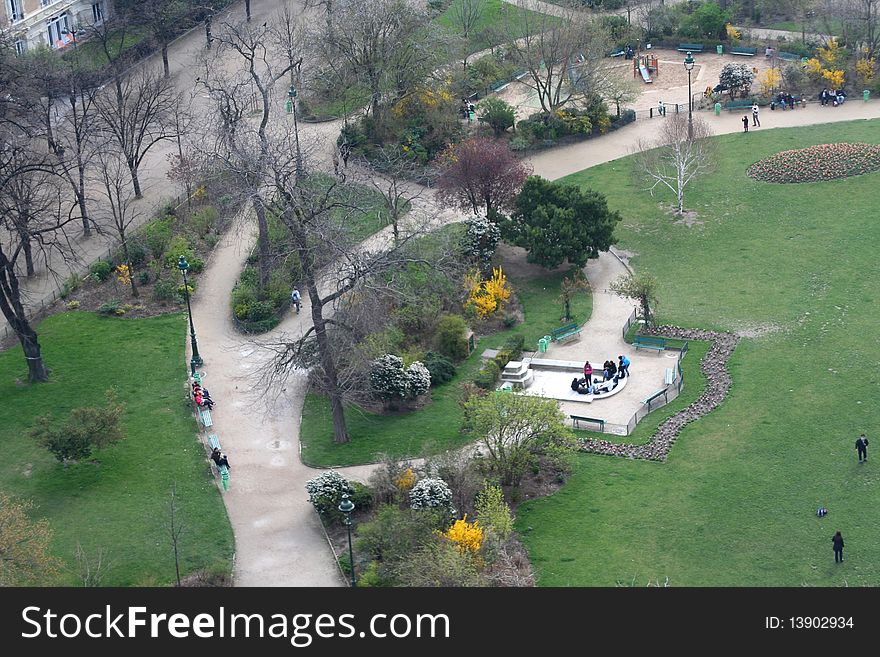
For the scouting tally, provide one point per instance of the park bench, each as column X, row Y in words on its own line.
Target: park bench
column 739, row 50
column 205, row 416
column 669, row 379
column 576, row 419
column 690, row 47
column 738, row 104
column 788, row 56
column 214, row 443
column 655, row 395
column 619, row 53
column 648, row 342
column 564, row 332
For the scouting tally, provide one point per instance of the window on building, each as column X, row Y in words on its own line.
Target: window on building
column 98, row 12
column 20, row 47
column 57, row 27
column 14, row 9
column 46, row 3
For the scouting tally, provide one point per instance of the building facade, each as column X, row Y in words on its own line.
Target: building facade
column 49, row 23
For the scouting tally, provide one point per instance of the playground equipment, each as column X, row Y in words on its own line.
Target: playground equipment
column 646, row 65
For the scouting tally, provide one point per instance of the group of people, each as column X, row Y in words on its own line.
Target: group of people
column 467, row 109
column 201, row 396
column 835, row 97
column 837, row 539
column 786, row 101
column 611, row 373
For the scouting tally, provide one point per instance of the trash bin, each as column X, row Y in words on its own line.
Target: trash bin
column 866, row 94
column 719, row 49
column 717, row 109
column 543, row 344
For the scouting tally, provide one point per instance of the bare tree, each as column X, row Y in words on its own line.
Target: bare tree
column 466, row 15
column 563, row 55
column 674, row 160
column 118, row 204
column 378, row 40
column 31, row 216
column 619, row 90
column 245, row 150
column 92, row 571
column 137, row 116
column 175, row 528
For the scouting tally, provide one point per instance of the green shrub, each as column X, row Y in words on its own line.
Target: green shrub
column 488, row 375
column 243, row 297
column 101, row 270
column 196, row 265
column 249, row 276
column 178, row 246
column 165, row 289
column 362, row 497
column 137, row 251
column 203, row 220
column 519, row 142
column 110, row 307
column 157, row 235
column 441, row 368
column 211, row 240
column 497, row 114
column 451, row 340
column 71, row 285
column 144, row 278
column 515, row 344
column 260, row 311
column 502, row 358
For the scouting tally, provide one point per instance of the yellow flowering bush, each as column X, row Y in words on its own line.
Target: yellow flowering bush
column 769, row 81
column 123, row 275
column 406, row 480
column 732, row 33
column 487, row 297
column 865, row 68
column 468, row 536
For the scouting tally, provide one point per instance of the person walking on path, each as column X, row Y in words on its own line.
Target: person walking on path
column 295, row 299
column 588, row 372
column 837, row 543
column 746, row 123
column 862, row 447
column 623, row 366
column 755, row 120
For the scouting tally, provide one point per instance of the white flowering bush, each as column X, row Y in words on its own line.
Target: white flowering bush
column 326, row 490
column 480, row 240
column 388, row 378
column 418, row 378
column 431, row 493
column 390, row 381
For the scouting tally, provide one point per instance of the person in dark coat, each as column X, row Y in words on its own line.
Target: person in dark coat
column 223, row 461
column 215, row 456
column 745, row 121
column 862, row 446
column 837, row 543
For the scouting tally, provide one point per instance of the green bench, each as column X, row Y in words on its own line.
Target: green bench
column 690, row 47
column 648, row 342
column 214, row 443
column 788, row 56
column 205, row 416
column 738, row 104
column 655, row 395
column 576, row 419
column 748, row 52
column 669, row 379
column 564, row 332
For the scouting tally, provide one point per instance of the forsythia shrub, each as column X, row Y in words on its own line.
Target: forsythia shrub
column 406, row 480
column 488, row 297
column 466, row 535
column 123, row 275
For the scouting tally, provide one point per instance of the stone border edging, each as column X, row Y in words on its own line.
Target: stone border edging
column 714, row 366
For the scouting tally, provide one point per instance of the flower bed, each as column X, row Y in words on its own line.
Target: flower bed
column 816, row 163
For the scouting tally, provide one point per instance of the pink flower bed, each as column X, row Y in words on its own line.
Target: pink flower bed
column 822, row 162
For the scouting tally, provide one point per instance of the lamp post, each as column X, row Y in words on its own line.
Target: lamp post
column 689, row 66
column 291, row 107
column 196, row 360
column 346, row 506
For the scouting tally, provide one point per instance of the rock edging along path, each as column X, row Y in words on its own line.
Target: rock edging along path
column 714, row 366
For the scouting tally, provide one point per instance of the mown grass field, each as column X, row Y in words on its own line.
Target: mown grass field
column 120, row 503
column 793, row 267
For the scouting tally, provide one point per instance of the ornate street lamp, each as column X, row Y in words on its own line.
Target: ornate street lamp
column 346, row 506
column 291, row 108
column 196, row 360
column 689, row 66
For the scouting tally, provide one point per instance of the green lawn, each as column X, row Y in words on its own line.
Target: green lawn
column 119, row 504
column 436, row 427
column 485, row 32
column 735, row 503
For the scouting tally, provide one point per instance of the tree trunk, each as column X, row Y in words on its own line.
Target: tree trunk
column 81, row 202
column 13, row 311
column 247, row 10
column 340, row 431
column 262, row 240
column 132, row 167
column 28, row 255
column 165, row 66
